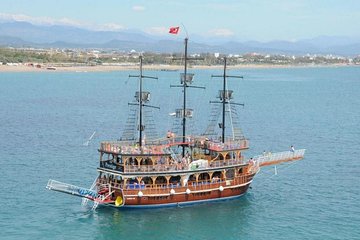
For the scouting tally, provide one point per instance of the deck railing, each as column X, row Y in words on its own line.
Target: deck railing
column 228, row 145
column 122, row 148
column 159, row 146
column 274, row 158
column 71, row 189
column 260, row 160
column 181, row 166
column 165, row 188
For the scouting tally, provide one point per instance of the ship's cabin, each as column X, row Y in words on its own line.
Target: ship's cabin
column 202, row 179
column 166, row 154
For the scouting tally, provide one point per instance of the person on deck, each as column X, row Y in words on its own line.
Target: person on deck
column 168, row 134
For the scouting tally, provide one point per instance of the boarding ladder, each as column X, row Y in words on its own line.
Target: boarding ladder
column 85, row 200
column 74, row 190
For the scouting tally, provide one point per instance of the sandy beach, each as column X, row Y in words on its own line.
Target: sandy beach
column 109, row 68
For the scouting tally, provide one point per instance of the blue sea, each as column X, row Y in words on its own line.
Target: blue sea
column 46, row 117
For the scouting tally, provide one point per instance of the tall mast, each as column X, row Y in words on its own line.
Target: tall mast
column 223, row 103
column 225, row 96
column 186, row 81
column 141, row 128
column 184, row 98
column 141, row 98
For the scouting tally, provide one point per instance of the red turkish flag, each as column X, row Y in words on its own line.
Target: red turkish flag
column 174, row 30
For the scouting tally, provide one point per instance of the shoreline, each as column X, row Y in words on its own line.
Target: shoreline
column 159, row 67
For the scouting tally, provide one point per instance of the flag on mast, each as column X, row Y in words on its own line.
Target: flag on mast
column 174, row 30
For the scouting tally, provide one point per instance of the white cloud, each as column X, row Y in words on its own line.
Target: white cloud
column 67, row 22
column 26, row 18
column 157, row 30
column 47, row 21
column 221, row 32
column 110, row 27
column 138, row 8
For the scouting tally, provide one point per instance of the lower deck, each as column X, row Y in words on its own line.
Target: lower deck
column 193, row 192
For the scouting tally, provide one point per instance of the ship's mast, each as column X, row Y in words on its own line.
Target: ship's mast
column 141, row 98
column 225, row 96
column 184, row 98
column 223, row 103
column 186, row 81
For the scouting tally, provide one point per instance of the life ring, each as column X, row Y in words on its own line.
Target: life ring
column 118, row 201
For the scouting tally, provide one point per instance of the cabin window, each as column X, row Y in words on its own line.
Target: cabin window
column 230, row 173
column 216, row 177
column 160, row 180
column 192, row 178
column 204, row 177
column 147, row 180
column 146, row 161
column 175, row 180
column 132, row 161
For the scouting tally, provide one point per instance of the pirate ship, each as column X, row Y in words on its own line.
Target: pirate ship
column 179, row 169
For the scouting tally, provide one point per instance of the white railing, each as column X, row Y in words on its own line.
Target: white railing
column 228, row 145
column 230, row 162
column 71, row 189
column 180, row 166
column 269, row 158
column 159, row 146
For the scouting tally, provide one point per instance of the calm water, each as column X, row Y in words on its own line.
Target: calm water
column 46, row 117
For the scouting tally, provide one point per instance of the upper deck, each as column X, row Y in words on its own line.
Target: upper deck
column 161, row 146
column 170, row 169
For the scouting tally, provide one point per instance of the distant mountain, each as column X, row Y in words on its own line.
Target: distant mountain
column 346, row 50
column 330, row 41
column 47, row 34
column 12, row 41
column 24, row 34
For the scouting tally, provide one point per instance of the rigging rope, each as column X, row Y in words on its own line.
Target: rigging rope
column 230, row 112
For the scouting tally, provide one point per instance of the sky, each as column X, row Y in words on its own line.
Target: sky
column 260, row 20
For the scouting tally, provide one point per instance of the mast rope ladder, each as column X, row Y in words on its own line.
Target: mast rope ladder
column 130, row 125
column 150, row 124
column 235, row 123
column 214, row 117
